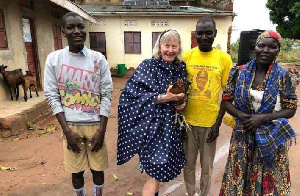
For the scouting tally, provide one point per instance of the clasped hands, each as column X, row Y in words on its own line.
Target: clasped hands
column 73, row 141
column 251, row 121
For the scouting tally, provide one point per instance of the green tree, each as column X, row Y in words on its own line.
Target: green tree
column 286, row 14
column 235, row 46
column 287, row 44
column 234, row 50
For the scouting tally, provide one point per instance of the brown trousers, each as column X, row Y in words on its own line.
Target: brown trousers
column 196, row 140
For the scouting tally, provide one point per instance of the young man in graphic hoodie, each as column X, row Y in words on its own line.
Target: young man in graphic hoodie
column 78, row 88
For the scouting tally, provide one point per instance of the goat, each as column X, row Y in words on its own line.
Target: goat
column 30, row 82
column 13, row 79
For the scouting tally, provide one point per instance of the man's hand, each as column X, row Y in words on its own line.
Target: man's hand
column 254, row 121
column 71, row 137
column 72, row 140
column 97, row 140
column 213, row 134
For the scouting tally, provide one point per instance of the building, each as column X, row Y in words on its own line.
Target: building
column 123, row 30
column 126, row 34
column 29, row 31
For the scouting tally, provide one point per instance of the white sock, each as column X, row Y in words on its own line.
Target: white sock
column 80, row 192
column 98, row 190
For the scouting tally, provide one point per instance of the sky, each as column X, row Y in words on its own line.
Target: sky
column 251, row 14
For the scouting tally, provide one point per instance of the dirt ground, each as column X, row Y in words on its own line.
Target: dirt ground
column 38, row 160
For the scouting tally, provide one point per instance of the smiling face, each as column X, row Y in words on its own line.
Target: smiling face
column 266, row 51
column 169, row 50
column 75, row 32
column 205, row 34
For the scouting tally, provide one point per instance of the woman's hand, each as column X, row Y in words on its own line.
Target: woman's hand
column 254, row 121
column 171, row 97
column 243, row 116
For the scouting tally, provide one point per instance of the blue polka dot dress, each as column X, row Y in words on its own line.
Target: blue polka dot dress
column 148, row 128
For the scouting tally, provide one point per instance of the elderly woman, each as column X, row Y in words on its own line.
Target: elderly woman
column 264, row 97
column 147, row 111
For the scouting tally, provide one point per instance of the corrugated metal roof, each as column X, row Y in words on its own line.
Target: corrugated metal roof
column 152, row 10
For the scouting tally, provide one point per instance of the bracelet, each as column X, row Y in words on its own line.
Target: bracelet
column 160, row 98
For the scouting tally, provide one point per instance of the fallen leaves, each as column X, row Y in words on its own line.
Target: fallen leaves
column 30, row 126
column 42, row 133
column 116, row 177
column 8, row 168
column 50, row 128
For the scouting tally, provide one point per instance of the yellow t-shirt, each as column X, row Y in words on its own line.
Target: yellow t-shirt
column 207, row 72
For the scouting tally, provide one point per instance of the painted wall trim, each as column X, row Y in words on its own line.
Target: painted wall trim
column 75, row 8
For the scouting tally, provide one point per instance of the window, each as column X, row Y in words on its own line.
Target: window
column 27, row 3
column 132, row 42
column 3, row 38
column 155, row 36
column 98, row 42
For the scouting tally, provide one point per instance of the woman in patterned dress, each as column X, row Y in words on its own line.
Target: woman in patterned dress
column 261, row 96
column 147, row 113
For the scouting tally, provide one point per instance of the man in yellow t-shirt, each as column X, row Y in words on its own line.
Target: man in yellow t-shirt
column 207, row 70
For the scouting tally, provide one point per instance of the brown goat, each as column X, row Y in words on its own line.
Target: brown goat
column 30, row 82
column 13, row 79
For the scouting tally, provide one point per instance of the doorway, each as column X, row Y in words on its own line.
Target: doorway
column 30, row 46
column 57, row 37
column 193, row 39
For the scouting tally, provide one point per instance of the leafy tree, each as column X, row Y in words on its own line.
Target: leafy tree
column 286, row 14
column 287, row 44
column 234, row 50
column 235, row 46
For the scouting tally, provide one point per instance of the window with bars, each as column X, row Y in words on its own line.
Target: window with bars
column 3, row 38
column 155, row 36
column 132, row 42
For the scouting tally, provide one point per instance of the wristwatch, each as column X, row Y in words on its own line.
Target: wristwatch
column 160, row 98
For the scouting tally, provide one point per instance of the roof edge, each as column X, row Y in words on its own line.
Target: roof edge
column 75, row 8
column 154, row 11
column 159, row 14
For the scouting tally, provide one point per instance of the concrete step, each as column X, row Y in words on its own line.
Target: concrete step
column 15, row 114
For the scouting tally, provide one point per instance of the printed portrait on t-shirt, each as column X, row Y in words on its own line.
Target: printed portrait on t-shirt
column 202, row 81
